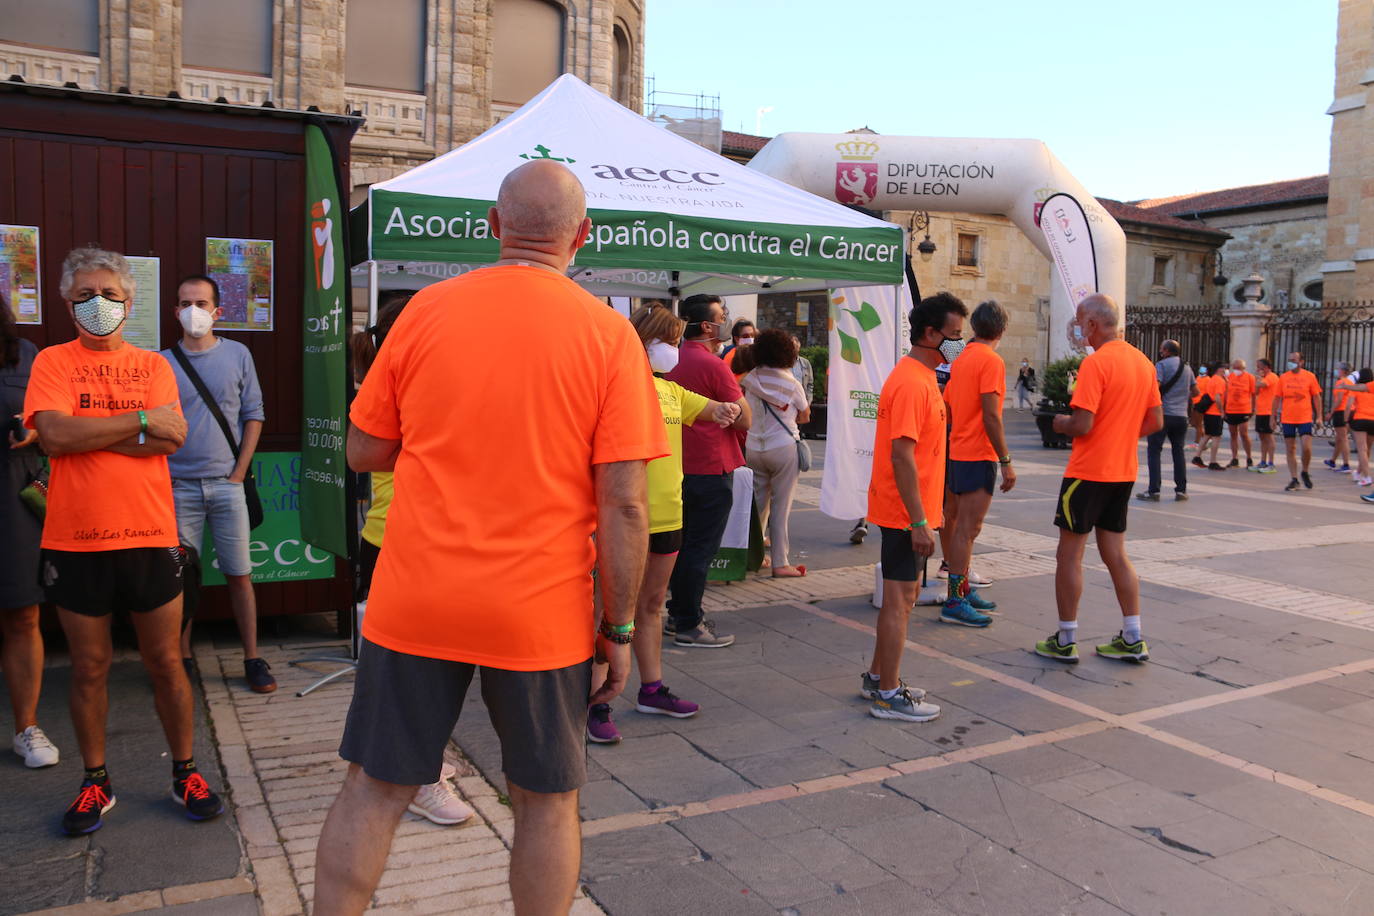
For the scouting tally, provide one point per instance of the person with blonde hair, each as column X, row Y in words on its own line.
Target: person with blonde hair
column 661, row 333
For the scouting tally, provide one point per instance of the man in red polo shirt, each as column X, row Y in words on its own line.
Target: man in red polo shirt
column 709, row 458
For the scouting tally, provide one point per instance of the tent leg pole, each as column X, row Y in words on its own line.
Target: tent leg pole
column 371, row 293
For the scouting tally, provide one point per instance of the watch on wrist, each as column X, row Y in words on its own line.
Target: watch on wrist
column 621, row 634
column 1005, row 459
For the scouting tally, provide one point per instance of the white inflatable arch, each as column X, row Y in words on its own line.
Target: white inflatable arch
column 1008, row 177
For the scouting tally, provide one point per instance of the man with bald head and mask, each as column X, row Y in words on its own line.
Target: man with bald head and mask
column 1115, row 403
column 503, row 472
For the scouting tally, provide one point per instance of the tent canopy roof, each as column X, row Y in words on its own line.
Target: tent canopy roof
column 667, row 214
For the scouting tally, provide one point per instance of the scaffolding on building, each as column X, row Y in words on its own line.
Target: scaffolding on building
column 695, row 116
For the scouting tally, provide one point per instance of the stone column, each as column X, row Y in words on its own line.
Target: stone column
column 1248, row 322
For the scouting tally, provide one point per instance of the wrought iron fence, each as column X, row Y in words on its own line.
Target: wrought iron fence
column 1202, row 331
column 1325, row 334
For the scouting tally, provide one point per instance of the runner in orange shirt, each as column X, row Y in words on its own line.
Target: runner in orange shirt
column 107, row 414
column 1265, row 388
column 977, row 447
column 1212, row 386
column 1239, row 404
column 1341, row 405
column 503, row 474
column 1361, row 404
column 905, row 496
column 1299, row 404
column 1115, row 403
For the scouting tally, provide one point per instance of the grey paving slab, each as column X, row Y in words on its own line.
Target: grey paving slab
column 703, row 888
column 1158, row 764
column 769, row 872
column 44, row 868
column 831, row 861
column 667, row 770
column 773, row 768
column 772, row 819
column 1139, row 878
column 988, row 804
column 627, row 852
column 1302, row 878
column 852, row 808
column 607, row 797
column 1036, row 765
column 1325, row 569
column 1207, row 837
column 237, row 905
column 1311, row 822
column 1139, row 806
column 891, row 898
column 1081, row 784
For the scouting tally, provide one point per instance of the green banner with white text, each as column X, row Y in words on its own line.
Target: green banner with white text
column 324, row 367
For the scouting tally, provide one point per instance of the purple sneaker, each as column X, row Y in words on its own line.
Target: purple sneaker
column 662, row 702
column 600, row 728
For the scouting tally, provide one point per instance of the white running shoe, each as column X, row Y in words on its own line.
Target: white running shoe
column 35, row 748
column 974, row 579
column 438, row 802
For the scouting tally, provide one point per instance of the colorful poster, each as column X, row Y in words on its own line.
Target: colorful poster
column 276, row 548
column 243, row 269
column 324, row 368
column 143, row 326
column 741, row 547
column 19, row 281
column 867, row 334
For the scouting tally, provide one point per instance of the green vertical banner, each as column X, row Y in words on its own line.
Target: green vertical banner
column 324, row 368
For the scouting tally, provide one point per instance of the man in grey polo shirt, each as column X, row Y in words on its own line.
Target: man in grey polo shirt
column 1177, row 388
column 207, row 480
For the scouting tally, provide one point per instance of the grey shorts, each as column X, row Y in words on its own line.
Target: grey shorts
column 405, row 707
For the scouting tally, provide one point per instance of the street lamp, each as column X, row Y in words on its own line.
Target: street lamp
column 1220, row 279
column 920, row 222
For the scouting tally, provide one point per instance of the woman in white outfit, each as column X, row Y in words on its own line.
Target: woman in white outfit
column 779, row 402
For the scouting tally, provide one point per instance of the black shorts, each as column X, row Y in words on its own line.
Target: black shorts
column 1088, row 504
column 1211, row 424
column 99, row 582
column 1235, row 419
column 900, row 563
column 666, row 543
column 1337, row 419
column 1362, row 426
column 1264, row 423
column 405, row 706
column 967, row 476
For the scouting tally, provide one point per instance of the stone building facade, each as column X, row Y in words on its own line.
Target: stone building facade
column 1278, row 230
column 428, row 75
column 1348, row 271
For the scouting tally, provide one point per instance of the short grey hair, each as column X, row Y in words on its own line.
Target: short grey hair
column 989, row 320
column 90, row 257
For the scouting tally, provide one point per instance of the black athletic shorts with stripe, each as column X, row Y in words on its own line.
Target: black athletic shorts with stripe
column 1087, row 504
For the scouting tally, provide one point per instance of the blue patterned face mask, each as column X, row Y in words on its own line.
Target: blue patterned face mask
column 100, row 317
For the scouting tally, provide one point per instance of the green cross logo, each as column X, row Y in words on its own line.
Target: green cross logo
column 543, row 152
column 867, row 318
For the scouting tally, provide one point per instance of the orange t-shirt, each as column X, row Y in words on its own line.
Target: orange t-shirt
column 977, row 371
column 1214, row 385
column 489, row 550
column 1265, row 389
column 1297, row 389
column 1117, row 383
column 1362, row 404
column 1240, row 388
column 910, row 407
column 101, row 500
column 1341, row 399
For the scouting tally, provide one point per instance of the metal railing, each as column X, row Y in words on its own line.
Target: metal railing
column 1202, row 331
column 1325, row 334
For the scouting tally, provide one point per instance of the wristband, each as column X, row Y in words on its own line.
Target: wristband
column 1004, row 460
column 920, row 524
column 621, row 634
column 142, row 421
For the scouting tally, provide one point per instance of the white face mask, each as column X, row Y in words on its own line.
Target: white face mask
column 100, row 317
column 662, row 356
column 196, row 320
column 746, row 341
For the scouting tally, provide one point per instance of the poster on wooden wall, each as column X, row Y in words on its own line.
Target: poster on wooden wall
column 143, row 326
column 243, row 270
column 19, row 281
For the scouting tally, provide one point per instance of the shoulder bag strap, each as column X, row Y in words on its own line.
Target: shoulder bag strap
column 205, row 396
column 769, row 407
column 1170, row 384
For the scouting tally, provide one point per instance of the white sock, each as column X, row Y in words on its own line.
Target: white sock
column 1130, row 628
column 1066, row 632
column 889, row 694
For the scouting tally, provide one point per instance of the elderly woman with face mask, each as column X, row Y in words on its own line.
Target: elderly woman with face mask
column 661, row 333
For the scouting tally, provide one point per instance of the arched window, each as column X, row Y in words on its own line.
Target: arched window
column 1312, row 291
column 227, row 36
column 621, row 58
column 526, row 49
column 384, row 44
column 62, row 25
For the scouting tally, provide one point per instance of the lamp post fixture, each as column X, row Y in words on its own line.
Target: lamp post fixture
column 920, row 222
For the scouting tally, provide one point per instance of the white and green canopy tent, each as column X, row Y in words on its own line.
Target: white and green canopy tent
column 669, row 217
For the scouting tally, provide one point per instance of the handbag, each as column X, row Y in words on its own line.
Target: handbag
column 250, row 483
column 803, row 449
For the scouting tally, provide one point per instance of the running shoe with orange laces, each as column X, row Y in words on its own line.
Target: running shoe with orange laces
column 84, row 816
column 195, row 794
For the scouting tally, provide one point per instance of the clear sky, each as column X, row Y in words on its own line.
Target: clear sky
column 1136, row 99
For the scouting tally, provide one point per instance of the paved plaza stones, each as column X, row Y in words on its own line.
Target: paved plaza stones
column 1233, row 773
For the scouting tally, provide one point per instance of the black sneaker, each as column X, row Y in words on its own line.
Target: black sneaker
column 1235, row 463
column 1215, row 467
column 1292, row 485
column 859, row 532
column 1149, row 496
column 195, row 794
column 258, row 674
column 84, row 816
column 1307, row 480
column 1249, row 464
column 1198, row 462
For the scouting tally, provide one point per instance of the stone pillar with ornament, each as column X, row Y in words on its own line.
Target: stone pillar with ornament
column 1248, row 323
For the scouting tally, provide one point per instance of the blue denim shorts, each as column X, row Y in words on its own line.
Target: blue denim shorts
column 223, row 504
